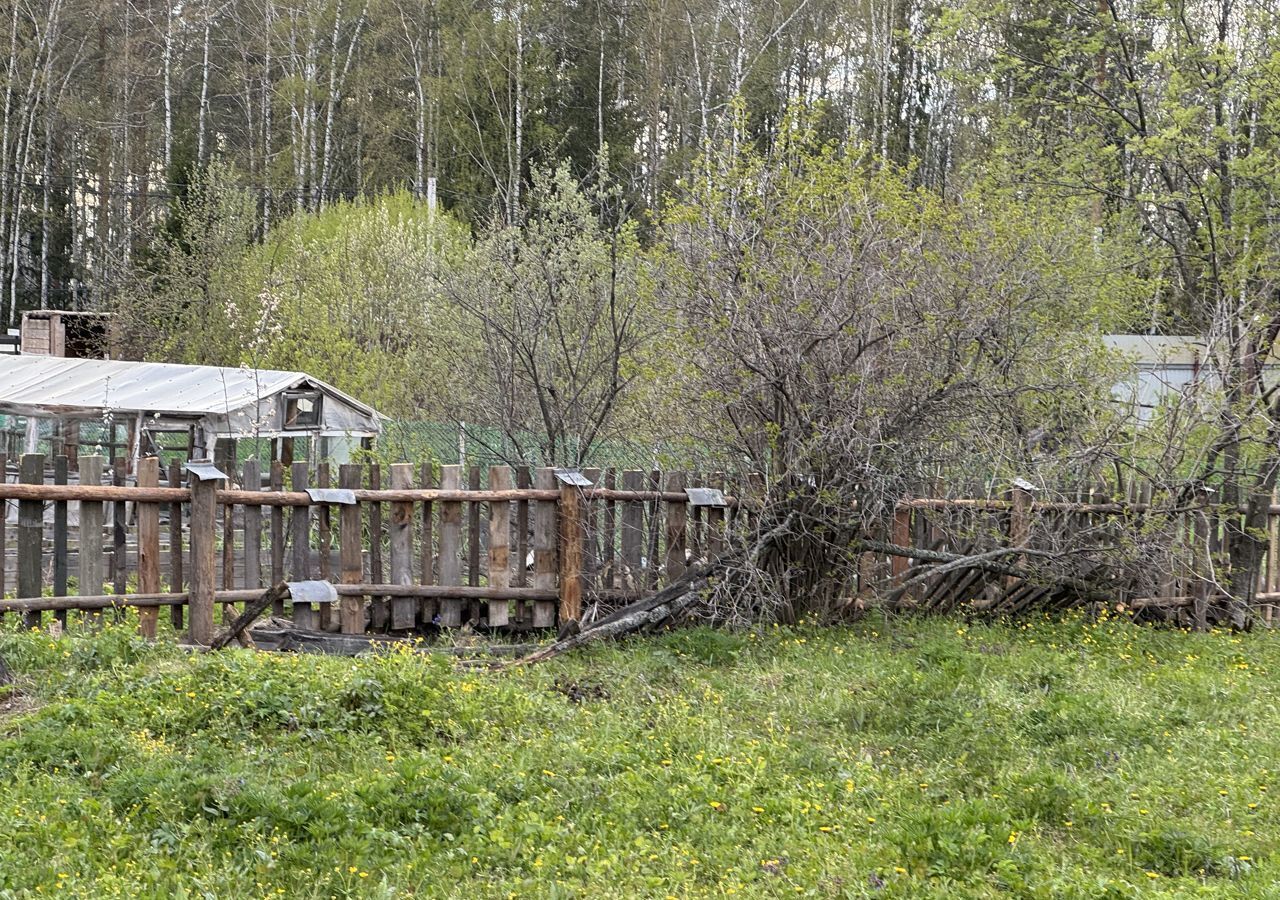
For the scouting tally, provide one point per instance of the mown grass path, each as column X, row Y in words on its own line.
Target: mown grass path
column 893, row 759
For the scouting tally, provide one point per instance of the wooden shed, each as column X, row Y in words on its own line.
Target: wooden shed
column 67, row 333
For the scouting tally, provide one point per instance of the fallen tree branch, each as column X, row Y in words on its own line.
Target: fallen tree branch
column 987, row 563
column 664, row 606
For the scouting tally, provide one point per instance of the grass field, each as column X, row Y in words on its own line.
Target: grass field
column 893, row 759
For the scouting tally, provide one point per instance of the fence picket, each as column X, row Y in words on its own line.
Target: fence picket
column 60, row 472
column 451, row 546
column 499, row 545
column 31, row 538
column 545, row 541
column 428, row 605
column 175, row 546
column 403, row 609
column 677, row 518
column 379, row 615
column 351, row 552
column 148, row 515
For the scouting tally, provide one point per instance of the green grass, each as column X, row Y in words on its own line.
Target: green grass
column 895, row 759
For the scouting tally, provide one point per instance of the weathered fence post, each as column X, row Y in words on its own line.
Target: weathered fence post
column 450, row 545
column 379, row 615
column 898, row 565
column 119, row 533
column 571, row 540
column 351, row 553
column 544, row 549
column 277, row 533
column 30, row 537
column 428, row 606
column 499, row 545
column 251, row 480
column 716, row 521
column 1019, row 526
column 403, row 609
column 204, row 539
column 524, row 480
column 92, row 515
column 631, row 571
column 677, row 518
column 60, row 470
column 175, row 546
column 148, row 547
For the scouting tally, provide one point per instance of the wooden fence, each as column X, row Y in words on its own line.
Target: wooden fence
column 411, row 547
column 406, row 548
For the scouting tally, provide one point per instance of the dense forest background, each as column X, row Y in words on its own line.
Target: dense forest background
column 328, row 183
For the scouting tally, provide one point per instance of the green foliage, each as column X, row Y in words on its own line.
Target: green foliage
column 348, row 295
column 829, row 304
column 1046, row 759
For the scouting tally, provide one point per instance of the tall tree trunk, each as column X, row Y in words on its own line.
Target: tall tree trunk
column 6, row 169
column 166, row 60
column 46, row 176
column 204, row 93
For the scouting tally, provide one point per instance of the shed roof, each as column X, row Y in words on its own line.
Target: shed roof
column 43, row 385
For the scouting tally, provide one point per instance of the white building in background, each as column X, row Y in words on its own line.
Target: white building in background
column 1167, row 365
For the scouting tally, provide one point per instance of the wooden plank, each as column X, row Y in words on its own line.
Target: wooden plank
column 204, row 523
column 148, row 547
column 300, row 538
column 655, row 528
column 571, row 554
column 901, row 536
column 119, row 531
column 630, row 576
column 403, row 609
column 31, row 538
column 60, row 556
column 277, row 531
column 324, row 543
column 608, row 535
column 697, row 543
column 379, row 614
column 524, row 481
column 91, row 570
column 252, row 481
column 351, row 553
column 4, row 528
column 473, row 530
column 450, row 546
column 715, row 521
column 500, row 477
column 175, row 546
column 677, row 518
column 591, row 552
column 227, row 512
column 545, row 547
column 427, row 607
